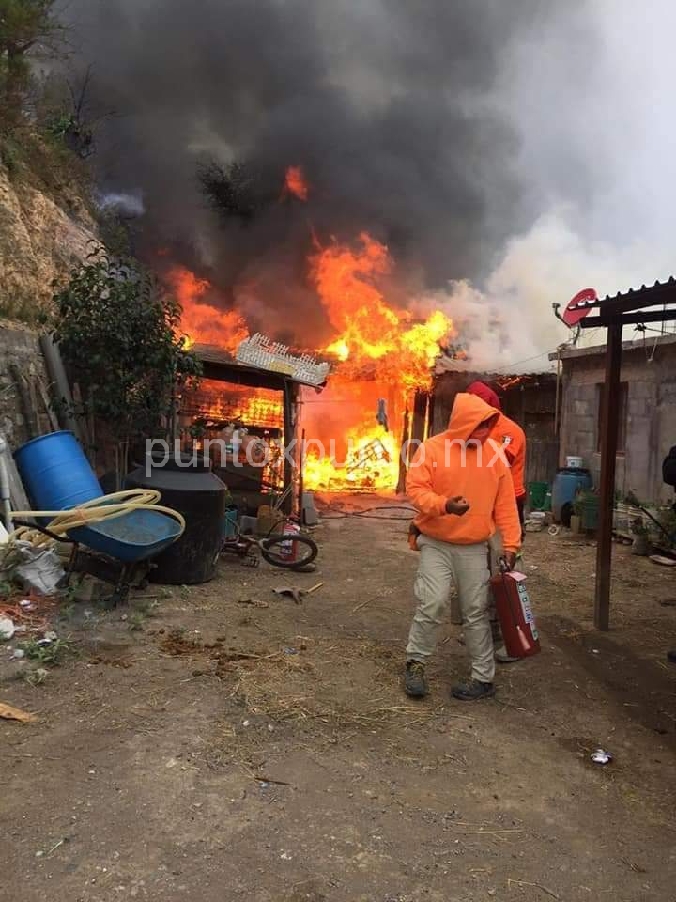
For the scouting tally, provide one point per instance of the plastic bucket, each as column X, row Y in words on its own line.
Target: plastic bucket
column 55, row 472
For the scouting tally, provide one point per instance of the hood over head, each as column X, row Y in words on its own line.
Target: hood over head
column 485, row 392
column 469, row 411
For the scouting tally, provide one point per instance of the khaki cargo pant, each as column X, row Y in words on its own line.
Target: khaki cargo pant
column 466, row 567
column 494, row 554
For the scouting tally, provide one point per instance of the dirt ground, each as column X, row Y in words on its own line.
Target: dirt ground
column 220, row 743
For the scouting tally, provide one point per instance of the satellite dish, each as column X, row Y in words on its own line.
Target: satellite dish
column 579, row 307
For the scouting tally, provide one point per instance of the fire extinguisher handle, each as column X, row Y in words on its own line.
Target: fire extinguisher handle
column 502, row 563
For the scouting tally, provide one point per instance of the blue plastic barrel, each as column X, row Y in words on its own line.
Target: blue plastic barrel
column 55, row 472
column 567, row 483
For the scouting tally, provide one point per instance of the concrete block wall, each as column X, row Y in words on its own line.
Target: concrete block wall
column 650, row 428
column 19, row 347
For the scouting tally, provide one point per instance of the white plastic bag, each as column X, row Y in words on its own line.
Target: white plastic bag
column 40, row 568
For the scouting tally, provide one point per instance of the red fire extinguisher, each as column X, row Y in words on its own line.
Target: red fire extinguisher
column 515, row 614
column 289, row 548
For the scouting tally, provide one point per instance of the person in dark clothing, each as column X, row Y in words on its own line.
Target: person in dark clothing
column 669, row 469
column 669, row 477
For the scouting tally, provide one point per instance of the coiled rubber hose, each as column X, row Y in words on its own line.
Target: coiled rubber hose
column 108, row 507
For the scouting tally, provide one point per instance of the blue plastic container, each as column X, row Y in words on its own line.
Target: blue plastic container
column 137, row 536
column 567, row 483
column 55, row 472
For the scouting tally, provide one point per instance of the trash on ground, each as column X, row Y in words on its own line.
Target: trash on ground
column 7, row 712
column 554, row 531
column 40, row 568
column 254, row 602
column 296, row 592
column 290, row 651
column 600, row 756
column 7, row 629
column 662, row 561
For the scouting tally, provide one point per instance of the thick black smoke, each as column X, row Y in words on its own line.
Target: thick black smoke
column 386, row 104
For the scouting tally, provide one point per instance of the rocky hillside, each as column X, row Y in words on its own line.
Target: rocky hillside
column 40, row 240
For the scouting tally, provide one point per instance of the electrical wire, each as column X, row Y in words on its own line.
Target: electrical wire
column 367, row 514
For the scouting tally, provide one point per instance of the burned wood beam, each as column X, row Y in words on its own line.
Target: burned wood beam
column 403, row 457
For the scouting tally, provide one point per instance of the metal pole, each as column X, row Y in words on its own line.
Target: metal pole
column 557, row 418
column 609, row 434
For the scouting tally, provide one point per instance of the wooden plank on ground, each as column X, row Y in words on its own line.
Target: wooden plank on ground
column 17, row 495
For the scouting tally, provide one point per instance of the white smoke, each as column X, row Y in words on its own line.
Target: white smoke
column 124, row 204
column 592, row 106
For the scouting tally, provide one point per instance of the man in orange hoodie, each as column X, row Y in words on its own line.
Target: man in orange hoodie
column 513, row 439
column 460, row 483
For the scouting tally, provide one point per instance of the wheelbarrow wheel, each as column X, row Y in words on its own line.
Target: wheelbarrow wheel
column 289, row 553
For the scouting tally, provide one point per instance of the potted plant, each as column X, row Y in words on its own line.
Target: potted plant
column 576, row 518
column 641, row 544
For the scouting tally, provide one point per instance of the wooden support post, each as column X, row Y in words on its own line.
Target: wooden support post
column 291, row 450
column 610, row 423
column 419, row 417
column 403, row 457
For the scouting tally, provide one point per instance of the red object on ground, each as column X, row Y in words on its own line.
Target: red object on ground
column 578, row 309
column 515, row 615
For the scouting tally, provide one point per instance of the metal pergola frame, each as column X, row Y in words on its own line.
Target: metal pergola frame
column 633, row 308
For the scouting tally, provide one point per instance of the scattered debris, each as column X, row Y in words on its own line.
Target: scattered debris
column 290, row 651
column 600, row 756
column 7, row 712
column 7, row 629
column 296, row 592
column 266, row 781
column 522, row 883
column 662, row 561
column 40, row 568
column 253, row 602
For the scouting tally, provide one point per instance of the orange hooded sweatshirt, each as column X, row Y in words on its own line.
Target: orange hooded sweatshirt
column 445, row 467
column 509, row 434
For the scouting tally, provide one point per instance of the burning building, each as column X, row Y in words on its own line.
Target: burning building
column 381, row 360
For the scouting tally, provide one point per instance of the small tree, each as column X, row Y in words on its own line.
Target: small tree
column 24, row 25
column 118, row 332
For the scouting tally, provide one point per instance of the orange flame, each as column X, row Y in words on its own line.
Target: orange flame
column 225, row 402
column 201, row 321
column 370, row 331
column 374, row 341
column 295, row 183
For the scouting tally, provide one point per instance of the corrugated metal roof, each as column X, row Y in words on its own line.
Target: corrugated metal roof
column 645, row 296
column 211, row 354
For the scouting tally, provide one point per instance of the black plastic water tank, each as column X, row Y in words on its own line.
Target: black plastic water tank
column 200, row 496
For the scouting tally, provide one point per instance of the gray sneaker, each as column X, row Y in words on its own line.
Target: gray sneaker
column 416, row 684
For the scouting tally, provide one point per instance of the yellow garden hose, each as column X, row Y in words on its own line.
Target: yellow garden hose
column 108, row 507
